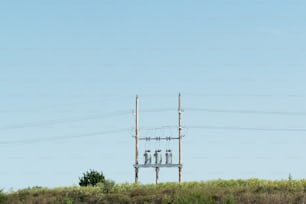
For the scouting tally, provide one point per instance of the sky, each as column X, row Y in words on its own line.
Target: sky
column 70, row 71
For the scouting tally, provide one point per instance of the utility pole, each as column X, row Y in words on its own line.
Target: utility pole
column 158, row 152
column 180, row 130
column 136, row 138
column 157, row 175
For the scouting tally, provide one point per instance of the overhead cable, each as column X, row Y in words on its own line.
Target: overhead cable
column 58, row 138
column 246, row 111
column 248, row 128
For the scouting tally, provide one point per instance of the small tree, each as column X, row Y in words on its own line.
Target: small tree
column 91, row 178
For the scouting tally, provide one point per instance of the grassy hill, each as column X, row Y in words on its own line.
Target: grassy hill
column 211, row 192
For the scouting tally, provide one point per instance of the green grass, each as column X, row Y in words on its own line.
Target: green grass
column 210, row 192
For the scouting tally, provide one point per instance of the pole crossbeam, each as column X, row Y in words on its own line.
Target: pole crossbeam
column 157, row 165
column 158, row 138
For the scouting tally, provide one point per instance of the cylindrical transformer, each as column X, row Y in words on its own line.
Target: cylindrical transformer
column 168, row 156
column 158, row 157
column 147, row 157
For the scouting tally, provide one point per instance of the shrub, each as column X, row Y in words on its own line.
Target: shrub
column 107, row 186
column 91, row 178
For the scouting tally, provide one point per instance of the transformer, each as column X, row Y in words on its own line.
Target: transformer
column 158, row 157
column 168, row 156
column 147, row 157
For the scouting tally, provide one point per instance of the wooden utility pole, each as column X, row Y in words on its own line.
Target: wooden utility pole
column 157, row 175
column 136, row 138
column 158, row 161
column 180, row 130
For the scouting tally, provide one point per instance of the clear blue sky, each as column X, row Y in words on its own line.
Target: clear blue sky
column 70, row 70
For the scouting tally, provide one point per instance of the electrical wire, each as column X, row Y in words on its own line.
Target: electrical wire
column 120, row 113
column 246, row 111
column 63, row 121
column 248, row 128
column 231, row 128
column 46, row 139
column 234, row 95
column 157, row 110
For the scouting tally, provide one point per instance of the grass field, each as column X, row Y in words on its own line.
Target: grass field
column 211, row 192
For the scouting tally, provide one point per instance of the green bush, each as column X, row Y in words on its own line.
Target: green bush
column 91, row 178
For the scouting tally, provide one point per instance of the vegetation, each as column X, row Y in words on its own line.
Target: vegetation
column 1, row 196
column 92, row 178
column 211, row 192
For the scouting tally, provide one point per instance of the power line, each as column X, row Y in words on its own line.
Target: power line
column 71, row 120
column 209, row 110
column 238, row 128
column 156, row 110
column 244, row 95
column 231, row 128
column 159, row 128
column 126, row 112
column 246, row 111
column 248, row 128
column 62, row 121
column 58, row 138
